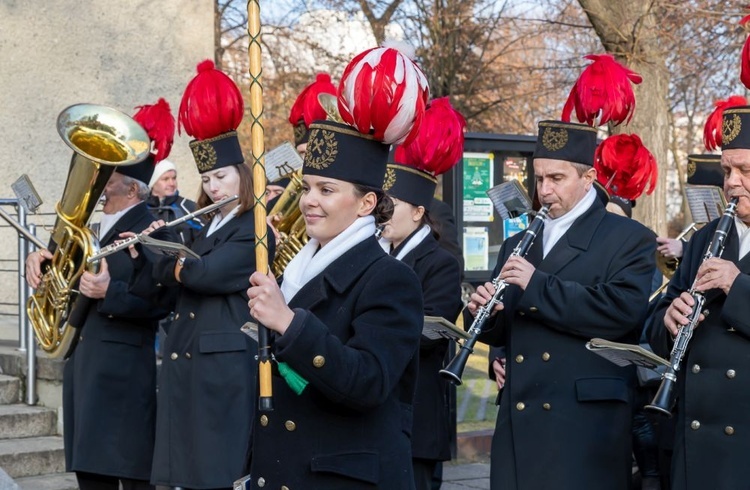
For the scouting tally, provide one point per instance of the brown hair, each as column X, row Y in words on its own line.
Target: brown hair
column 246, row 192
column 383, row 209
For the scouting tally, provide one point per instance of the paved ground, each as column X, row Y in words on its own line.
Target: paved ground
column 466, row 476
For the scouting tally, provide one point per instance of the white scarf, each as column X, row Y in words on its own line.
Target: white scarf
column 109, row 220
column 554, row 229
column 410, row 245
column 308, row 264
column 218, row 221
column 744, row 235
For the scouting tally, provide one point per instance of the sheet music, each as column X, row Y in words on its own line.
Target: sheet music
column 625, row 354
column 281, row 161
column 437, row 327
column 510, row 199
column 27, row 196
column 706, row 202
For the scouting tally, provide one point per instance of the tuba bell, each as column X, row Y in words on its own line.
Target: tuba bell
column 102, row 139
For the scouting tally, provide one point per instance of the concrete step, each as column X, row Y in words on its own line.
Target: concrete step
column 10, row 389
column 57, row 481
column 17, row 421
column 13, row 363
column 32, row 456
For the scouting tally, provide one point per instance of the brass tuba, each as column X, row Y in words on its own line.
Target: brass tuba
column 289, row 223
column 102, row 139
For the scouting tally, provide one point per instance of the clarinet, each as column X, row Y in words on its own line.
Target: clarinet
column 454, row 370
column 666, row 396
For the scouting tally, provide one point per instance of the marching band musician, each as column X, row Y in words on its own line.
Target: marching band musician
column 109, row 382
column 206, row 398
column 410, row 237
column 348, row 317
column 711, row 434
column 587, row 275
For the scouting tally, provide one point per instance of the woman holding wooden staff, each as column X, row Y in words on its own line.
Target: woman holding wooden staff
column 347, row 319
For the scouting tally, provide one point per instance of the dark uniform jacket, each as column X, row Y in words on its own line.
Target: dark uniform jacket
column 207, row 379
column 354, row 337
column 712, row 433
column 173, row 207
column 564, row 415
column 109, row 383
column 437, row 270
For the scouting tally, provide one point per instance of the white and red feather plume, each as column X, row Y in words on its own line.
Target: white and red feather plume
column 745, row 57
column 211, row 104
column 307, row 107
column 439, row 144
column 712, row 129
column 158, row 122
column 384, row 93
column 602, row 93
column 625, row 167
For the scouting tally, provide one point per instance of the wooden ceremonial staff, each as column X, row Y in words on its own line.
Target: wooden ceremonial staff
column 265, row 398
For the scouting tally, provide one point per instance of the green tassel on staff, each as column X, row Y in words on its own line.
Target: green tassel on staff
column 296, row 382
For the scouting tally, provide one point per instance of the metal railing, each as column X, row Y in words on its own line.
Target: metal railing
column 15, row 266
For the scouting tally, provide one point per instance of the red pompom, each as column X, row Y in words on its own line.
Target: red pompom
column 383, row 93
column 211, row 105
column 439, row 144
column 625, row 167
column 158, row 121
column 745, row 58
column 712, row 129
column 307, row 107
column 602, row 93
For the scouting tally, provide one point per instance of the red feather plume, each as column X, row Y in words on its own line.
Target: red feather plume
column 625, row 167
column 384, row 93
column 745, row 58
column 211, row 105
column 712, row 129
column 158, row 122
column 439, row 144
column 602, row 93
column 307, row 107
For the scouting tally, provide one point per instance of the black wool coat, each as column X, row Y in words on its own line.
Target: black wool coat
column 440, row 277
column 564, row 419
column 109, row 382
column 712, row 433
column 207, row 378
column 355, row 339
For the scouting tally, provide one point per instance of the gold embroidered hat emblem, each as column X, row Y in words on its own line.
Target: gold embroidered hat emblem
column 322, row 149
column 691, row 168
column 554, row 140
column 390, row 179
column 730, row 128
column 204, row 154
column 299, row 131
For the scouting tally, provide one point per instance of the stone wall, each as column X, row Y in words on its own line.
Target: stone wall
column 63, row 52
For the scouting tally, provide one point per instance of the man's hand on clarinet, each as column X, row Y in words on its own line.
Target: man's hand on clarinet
column 481, row 297
column 34, row 263
column 517, row 271
column 677, row 314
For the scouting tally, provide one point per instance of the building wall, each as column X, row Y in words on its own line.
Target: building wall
column 56, row 53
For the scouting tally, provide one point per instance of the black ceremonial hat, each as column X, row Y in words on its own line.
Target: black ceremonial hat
column 705, row 170
column 410, row 184
column 566, row 141
column 735, row 129
column 339, row 151
column 140, row 171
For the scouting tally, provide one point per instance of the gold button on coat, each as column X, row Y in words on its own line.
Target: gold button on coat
column 290, row 425
column 520, row 406
column 533, row 309
column 519, row 358
column 177, row 316
column 547, row 406
column 264, row 420
column 695, row 425
column 188, row 355
column 696, row 369
column 319, row 361
column 192, row 315
column 729, row 430
column 546, row 356
column 261, row 482
column 284, row 487
column 173, row 356
column 731, row 374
